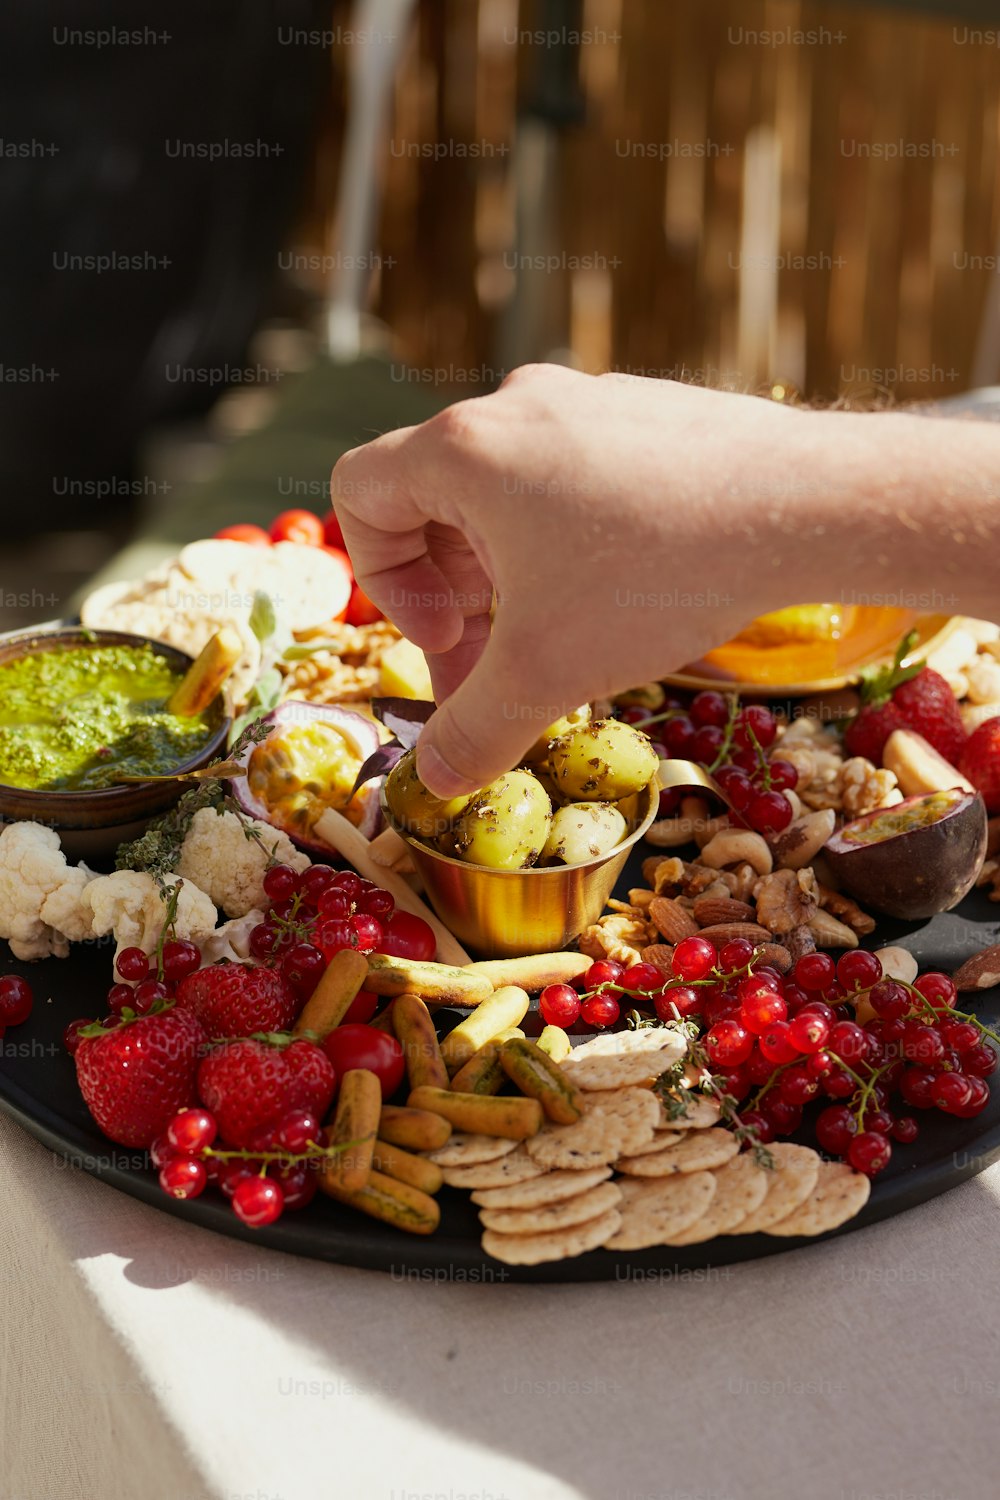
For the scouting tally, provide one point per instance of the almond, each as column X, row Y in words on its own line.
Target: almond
column 671, row 919
column 712, row 909
column 724, row 932
column 777, row 956
column 981, row 972
column 660, row 955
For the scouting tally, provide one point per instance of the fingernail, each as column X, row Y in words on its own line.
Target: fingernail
column 438, row 777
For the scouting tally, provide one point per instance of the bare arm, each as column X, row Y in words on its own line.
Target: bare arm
column 627, row 526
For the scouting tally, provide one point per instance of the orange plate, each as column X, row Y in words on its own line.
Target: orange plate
column 799, row 669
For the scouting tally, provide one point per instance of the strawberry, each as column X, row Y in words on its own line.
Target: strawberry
column 137, row 1075
column 236, row 999
column 905, row 697
column 980, row 762
column 250, row 1085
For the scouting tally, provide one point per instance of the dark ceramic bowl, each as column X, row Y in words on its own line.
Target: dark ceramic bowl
column 93, row 823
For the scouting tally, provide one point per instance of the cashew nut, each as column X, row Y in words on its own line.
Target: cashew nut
column 733, row 846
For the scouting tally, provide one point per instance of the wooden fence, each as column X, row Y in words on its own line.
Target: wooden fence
column 758, row 192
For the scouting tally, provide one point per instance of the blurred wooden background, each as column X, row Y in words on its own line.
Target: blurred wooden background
column 821, row 213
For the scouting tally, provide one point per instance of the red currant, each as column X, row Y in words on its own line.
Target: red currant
column 836, row 1127
column 302, row 966
column 759, row 1066
column 848, row 1041
column 333, row 902
column 784, row 776
column 737, row 786
column 367, row 931
column 905, row 1130
column 146, row 994
column 870, row 1152
column 795, row 996
column 264, row 938
column 915, row 1087
column 377, row 903
column 314, row 881
column 644, row 977
column 938, row 989
column 72, row 1037
column 951, row 1092
column 735, row 1082
column 838, row 1084
column 770, row 812
column 777, row 1046
column 332, row 934
column 962, row 1036
column 755, row 722
column 119, row 995
column 296, row 1131
column 980, row 1061
column 785, row 1117
column 670, row 801
column 814, row 972
column 559, row 1005
column 889, row 1000
column 258, row 1201
column 858, row 969
column 706, row 744
column 232, row 1173
column 192, row 1130
column 921, row 1044
column 678, row 736
column 694, row 958
column 179, row 960
column 728, row 1044
column 298, row 1182
column 735, row 955
column 678, row 1000
column 977, row 1102
column 600, row 1011
column 820, row 1008
column 808, row 1030
column 760, row 1007
column 760, row 1125
column 132, row 964
column 605, row 971
column 796, row 1085
column 161, row 1151
column 350, row 883
column 280, row 883
column 710, row 708
column 183, row 1177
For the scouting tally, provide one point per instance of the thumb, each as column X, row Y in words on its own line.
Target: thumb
column 483, row 728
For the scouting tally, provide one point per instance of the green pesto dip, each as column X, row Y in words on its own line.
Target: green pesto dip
column 76, row 719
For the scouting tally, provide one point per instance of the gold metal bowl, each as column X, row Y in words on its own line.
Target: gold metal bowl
column 507, row 913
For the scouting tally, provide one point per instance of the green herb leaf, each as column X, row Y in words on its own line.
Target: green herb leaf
column 263, row 619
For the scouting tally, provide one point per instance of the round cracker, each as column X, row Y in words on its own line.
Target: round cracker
column 839, row 1194
column 556, row 1244
column 463, row 1149
column 613, row 1124
column 619, row 1058
column 652, row 1212
column 516, row 1167
column 740, row 1188
column 660, row 1142
column 699, row 1113
column 578, row 1210
column 696, row 1151
column 789, row 1183
column 547, row 1187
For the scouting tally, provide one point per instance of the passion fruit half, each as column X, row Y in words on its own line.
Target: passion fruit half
column 915, row 859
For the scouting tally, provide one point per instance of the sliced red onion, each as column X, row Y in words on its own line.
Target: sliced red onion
column 363, row 737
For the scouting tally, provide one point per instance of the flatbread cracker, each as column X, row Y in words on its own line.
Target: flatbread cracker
column 516, row 1167
column 839, row 1194
column 613, row 1124
column 740, row 1187
column 557, row 1244
column 463, row 1149
column 619, row 1058
column 579, row 1210
column 548, row 1187
column 789, row 1184
column 653, row 1211
column 696, row 1151
column 699, row 1114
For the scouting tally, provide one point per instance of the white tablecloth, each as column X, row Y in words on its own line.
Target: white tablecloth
column 146, row 1359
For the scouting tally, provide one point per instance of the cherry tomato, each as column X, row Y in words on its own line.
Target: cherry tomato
column 407, row 936
column 361, row 1008
column 297, row 526
column 254, row 536
column 350, row 1047
column 332, row 531
column 361, row 610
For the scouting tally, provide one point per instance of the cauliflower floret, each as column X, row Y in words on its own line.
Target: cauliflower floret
column 219, row 857
column 42, row 902
column 129, row 905
column 230, row 941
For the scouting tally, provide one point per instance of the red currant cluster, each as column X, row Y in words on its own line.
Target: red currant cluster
column 731, row 742
column 279, row 1172
column 314, row 915
column 144, row 980
column 794, row 1038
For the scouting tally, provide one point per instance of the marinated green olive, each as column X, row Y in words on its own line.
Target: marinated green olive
column 413, row 806
column 575, row 719
column 506, row 824
column 582, row 831
column 602, row 762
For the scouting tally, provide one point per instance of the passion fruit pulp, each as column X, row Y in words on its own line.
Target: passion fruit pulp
column 915, row 859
